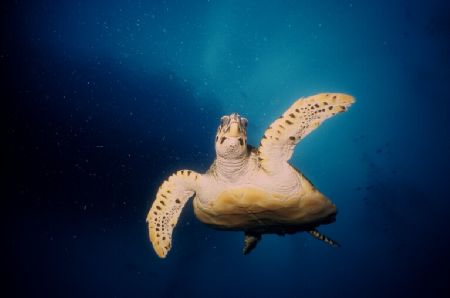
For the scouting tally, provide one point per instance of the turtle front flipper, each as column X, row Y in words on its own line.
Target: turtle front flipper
column 316, row 234
column 163, row 215
column 305, row 115
column 250, row 241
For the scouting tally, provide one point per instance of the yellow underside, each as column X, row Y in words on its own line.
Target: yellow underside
column 247, row 208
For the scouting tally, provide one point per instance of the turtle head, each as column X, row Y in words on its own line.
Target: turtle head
column 231, row 138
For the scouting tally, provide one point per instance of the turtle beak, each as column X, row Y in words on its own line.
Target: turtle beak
column 235, row 130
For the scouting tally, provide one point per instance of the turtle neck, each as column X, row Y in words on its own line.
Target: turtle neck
column 231, row 169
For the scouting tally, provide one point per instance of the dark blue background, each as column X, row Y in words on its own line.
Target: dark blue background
column 104, row 99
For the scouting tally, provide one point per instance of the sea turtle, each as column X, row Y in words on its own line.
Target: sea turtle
column 254, row 190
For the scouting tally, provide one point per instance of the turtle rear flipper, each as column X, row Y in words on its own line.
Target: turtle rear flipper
column 250, row 241
column 316, row 234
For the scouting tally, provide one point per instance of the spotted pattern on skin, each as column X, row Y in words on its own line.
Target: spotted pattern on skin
column 297, row 122
column 316, row 234
column 165, row 211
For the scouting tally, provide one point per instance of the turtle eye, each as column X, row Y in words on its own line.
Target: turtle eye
column 244, row 122
column 224, row 120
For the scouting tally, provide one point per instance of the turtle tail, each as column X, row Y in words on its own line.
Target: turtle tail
column 316, row 234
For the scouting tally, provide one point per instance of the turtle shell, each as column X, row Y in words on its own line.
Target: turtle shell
column 251, row 208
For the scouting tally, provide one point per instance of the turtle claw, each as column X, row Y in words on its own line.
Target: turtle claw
column 250, row 242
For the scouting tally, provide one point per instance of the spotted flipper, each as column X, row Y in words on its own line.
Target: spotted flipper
column 170, row 200
column 305, row 115
column 250, row 242
column 316, row 234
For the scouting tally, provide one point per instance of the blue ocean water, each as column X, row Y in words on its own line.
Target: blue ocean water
column 105, row 99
